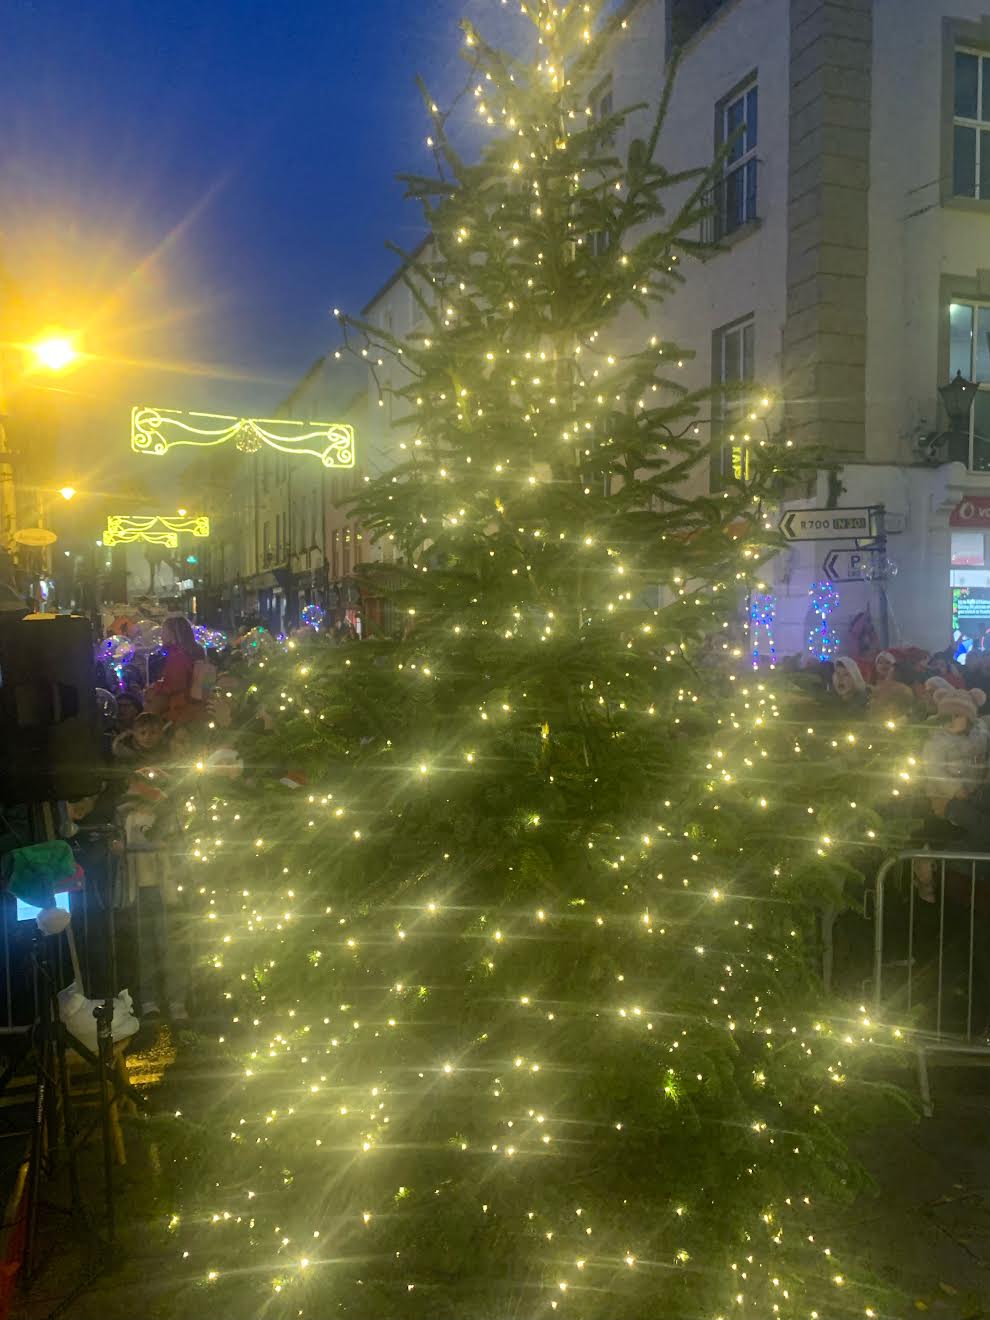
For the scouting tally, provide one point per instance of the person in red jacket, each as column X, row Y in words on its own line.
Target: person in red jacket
column 171, row 695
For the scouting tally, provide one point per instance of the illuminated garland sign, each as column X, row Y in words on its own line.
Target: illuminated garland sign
column 157, row 430
column 158, row 530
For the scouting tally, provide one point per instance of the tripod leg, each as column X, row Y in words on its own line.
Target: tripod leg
column 68, row 1120
column 34, row 1174
column 104, row 1041
column 44, row 1063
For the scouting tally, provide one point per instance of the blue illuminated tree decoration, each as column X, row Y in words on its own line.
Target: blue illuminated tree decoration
column 762, row 613
column 822, row 641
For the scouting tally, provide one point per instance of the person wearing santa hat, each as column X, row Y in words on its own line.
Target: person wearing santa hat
column 889, row 698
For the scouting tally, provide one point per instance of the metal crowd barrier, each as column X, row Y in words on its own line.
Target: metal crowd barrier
column 975, row 872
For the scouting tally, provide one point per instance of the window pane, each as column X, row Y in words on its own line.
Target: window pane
column 981, row 432
column 750, row 206
column 752, row 119
column 985, row 163
column 734, row 119
column 967, row 550
column 967, row 85
column 964, row 162
column 981, row 346
column 731, row 355
column 748, row 338
column 961, row 339
column 735, row 199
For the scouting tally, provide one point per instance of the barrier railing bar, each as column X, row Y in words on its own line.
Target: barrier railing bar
column 972, row 932
column 941, row 948
column 895, row 859
column 926, row 1042
column 910, row 966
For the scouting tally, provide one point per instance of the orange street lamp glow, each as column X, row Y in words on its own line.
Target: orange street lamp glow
column 67, row 492
column 54, row 353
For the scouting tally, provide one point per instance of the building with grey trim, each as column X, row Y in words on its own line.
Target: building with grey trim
column 854, row 220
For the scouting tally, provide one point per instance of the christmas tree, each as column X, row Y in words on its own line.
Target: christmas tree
column 520, row 990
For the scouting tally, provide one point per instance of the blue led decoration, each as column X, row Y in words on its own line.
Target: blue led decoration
column 762, row 613
column 822, row 641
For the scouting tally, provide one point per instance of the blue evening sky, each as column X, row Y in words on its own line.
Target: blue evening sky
column 198, row 182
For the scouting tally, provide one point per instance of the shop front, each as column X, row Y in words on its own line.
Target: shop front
column 969, row 524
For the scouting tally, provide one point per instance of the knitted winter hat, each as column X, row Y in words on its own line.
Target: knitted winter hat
column 853, row 670
column 959, row 701
column 935, row 685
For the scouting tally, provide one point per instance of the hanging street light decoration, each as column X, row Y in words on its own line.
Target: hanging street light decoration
column 123, row 529
column 157, row 430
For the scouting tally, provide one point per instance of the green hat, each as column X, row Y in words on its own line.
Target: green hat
column 34, row 873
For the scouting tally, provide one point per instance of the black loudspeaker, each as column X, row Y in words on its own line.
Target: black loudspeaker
column 50, row 747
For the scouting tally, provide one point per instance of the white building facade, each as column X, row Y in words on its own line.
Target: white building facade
column 854, row 280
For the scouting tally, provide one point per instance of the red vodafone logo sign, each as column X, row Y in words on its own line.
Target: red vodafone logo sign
column 972, row 512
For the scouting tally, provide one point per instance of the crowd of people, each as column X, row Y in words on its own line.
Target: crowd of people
column 166, row 717
column 944, row 702
column 156, row 723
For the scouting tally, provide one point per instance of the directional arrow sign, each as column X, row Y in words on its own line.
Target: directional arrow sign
column 828, row 524
column 845, row 565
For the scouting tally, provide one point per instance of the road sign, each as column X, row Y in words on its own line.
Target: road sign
column 828, row 524
column 845, row 565
column 36, row 537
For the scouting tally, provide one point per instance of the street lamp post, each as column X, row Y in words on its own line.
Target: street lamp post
column 958, row 396
column 50, row 353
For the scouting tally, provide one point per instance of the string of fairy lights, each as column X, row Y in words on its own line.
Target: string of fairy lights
column 521, row 477
column 272, row 1053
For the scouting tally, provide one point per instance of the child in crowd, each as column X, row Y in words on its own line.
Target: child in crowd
column 129, row 707
column 957, row 755
column 849, row 686
column 140, row 744
column 956, row 767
